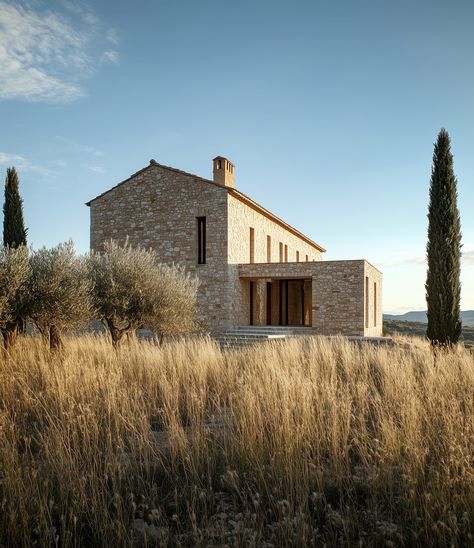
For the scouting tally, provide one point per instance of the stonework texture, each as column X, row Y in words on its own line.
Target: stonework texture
column 158, row 208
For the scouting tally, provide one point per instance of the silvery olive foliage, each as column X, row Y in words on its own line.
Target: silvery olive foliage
column 132, row 290
column 59, row 290
column 14, row 276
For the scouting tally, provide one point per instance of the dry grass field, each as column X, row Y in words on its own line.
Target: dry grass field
column 304, row 443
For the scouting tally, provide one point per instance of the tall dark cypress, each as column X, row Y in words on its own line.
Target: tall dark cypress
column 443, row 285
column 14, row 231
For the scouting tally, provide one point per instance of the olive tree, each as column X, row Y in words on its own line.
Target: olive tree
column 14, row 276
column 60, row 292
column 132, row 290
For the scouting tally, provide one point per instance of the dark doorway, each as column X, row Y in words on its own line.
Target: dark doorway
column 292, row 302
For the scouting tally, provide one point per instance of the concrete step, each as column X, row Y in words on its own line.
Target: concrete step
column 240, row 334
column 268, row 330
column 248, row 335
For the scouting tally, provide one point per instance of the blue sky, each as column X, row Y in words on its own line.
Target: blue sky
column 329, row 111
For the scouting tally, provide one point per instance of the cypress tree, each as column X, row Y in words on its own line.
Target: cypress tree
column 14, row 231
column 443, row 285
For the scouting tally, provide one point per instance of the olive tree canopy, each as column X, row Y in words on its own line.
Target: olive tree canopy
column 132, row 290
column 60, row 291
column 14, row 275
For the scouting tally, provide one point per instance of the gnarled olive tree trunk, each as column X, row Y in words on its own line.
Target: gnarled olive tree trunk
column 119, row 334
column 52, row 336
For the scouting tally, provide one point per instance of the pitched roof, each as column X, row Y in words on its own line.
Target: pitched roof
column 232, row 191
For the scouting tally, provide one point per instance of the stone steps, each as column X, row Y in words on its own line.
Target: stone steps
column 249, row 335
column 245, row 336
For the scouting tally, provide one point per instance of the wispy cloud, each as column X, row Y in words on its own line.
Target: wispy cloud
column 414, row 260
column 44, row 54
column 60, row 163
column 84, row 11
column 467, row 259
column 74, row 146
column 112, row 36
column 110, row 56
column 96, row 169
column 21, row 163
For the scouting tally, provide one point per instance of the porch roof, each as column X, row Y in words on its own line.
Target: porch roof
column 295, row 270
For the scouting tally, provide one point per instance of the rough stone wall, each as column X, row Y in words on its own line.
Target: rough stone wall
column 240, row 218
column 338, row 292
column 157, row 208
column 374, row 319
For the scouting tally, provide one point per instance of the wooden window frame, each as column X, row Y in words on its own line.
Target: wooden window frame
column 252, row 245
column 375, row 304
column 367, row 302
column 201, row 230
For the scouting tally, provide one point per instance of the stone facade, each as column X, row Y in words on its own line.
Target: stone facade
column 247, row 248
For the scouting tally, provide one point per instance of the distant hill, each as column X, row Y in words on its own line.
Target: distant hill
column 467, row 317
column 418, row 329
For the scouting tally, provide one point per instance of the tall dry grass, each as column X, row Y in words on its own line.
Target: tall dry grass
column 295, row 444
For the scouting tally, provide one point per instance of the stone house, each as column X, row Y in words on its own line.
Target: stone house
column 253, row 267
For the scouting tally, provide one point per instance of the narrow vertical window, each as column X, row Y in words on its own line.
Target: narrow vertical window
column 306, row 258
column 201, row 222
column 281, row 252
column 297, row 256
column 286, row 253
column 252, row 245
column 375, row 304
column 366, row 301
column 269, row 249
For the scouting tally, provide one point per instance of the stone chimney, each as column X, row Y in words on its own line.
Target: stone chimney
column 223, row 172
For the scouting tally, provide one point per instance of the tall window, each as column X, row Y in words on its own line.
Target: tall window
column 252, row 245
column 366, row 301
column 201, row 222
column 297, row 256
column 286, row 253
column 281, row 252
column 269, row 249
column 375, row 304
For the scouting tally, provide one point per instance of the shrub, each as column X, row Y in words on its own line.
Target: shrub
column 131, row 290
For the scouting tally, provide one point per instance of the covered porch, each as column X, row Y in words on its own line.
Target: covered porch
column 330, row 297
column 279, row 302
